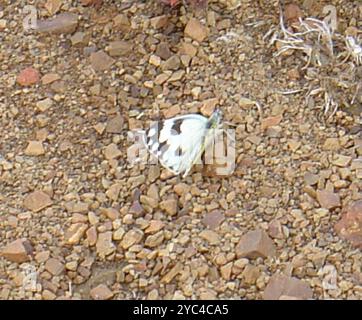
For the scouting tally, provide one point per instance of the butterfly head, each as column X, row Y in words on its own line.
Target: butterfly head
column 215, row 119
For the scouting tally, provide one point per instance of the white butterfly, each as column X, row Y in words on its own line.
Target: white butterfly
column 179, row 142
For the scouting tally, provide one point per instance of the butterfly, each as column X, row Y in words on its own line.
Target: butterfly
column 178, row 143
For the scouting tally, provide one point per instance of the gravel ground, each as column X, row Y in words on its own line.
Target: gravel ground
column 77, row 221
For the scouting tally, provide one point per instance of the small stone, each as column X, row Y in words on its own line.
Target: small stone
column 132, row 237
column 44, row 105
column 28, row 77
column 328, row 199
column 154, row 226
column 75, row 233
column 154, row 240
column 17, row 251
column 172, row 111
column 310, row 179
column 101, row 292
column 251, row 274
column 101, row 61
column 163, row 50
column 195, row 30
column 153, row 173
column 292, row 13
column 159, row 22
column 170, row 206
column 245, row 103
column 48, row 295
column 225, row 271
column 78, row 38
column 121, row 20
column 213, row 219
column 271, row 122
column 155, row 60
column 275, row 229
column 100, row 127
column 342, row 161
column 54, row 266
column 281, row 285
column 176, row 76
column 118, row 234
column 36, row 201
column 65, row 22
column 104, row 244
column 111, row 213
column 119, row 48
column 136, row 209
column 331, row 144
column 112, row 151
column 208, row 106
column 3, row 24
column 34, row 149
column 149, row 202
column 188, row 49
column 172, row 273
column 173, row 63
column 211, row 236
column 255, row 244
column 113, row 191
column 49, row 78
column 92, row 236
column 350, row 226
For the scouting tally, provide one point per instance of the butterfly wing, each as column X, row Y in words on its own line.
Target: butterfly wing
column 177, row 142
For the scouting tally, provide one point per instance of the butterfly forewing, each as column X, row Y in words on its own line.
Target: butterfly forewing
column 177, row 141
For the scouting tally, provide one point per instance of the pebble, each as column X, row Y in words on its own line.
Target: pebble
column 172, row 63
column 275, row 229
column 154, row 240
column 17, row 251
column 350, row 225
column 163, row 51
column 154, row 226
column 131, row 237
column 210, row 236
column 49, row 78
column 195, row 30
column 110, row 213
column 159, row 22
column 342, row 161
column 250, row 274
column 28, row 77
column 281, row 285
column 170, row 206
column 213, row 219
column 271, row 122
column 54, row 266
column 119, row 48
column 208, row 106
column 44, row 105
column 78, row 38
column 92, row 236
column 112, row 151
column 65, row 22
column 34, row 148
column 168, row 277
column 37, row 201
column 331, row 144
column 328, row 199
column 101, row 292
column 101, row 61
column 104, row 245
column 75, row 233
column 255, row 244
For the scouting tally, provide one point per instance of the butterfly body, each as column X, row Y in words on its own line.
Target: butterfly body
column 179, row 142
